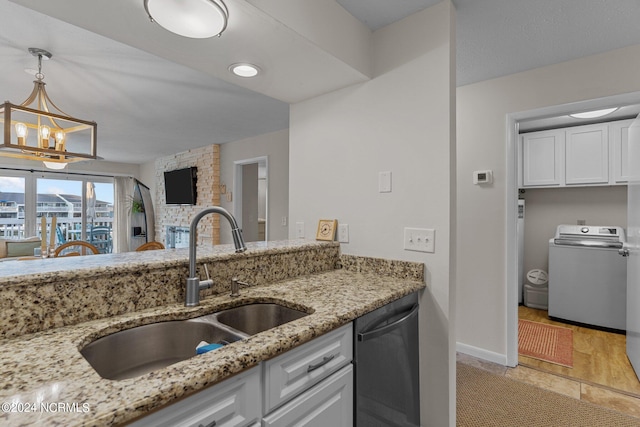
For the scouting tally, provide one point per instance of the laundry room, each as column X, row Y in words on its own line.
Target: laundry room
column 572, row 171
column 571, row 225
column 546, row 208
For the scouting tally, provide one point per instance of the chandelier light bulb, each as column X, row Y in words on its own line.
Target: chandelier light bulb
column 45, row 132
column 22, row 131
column 59, row 136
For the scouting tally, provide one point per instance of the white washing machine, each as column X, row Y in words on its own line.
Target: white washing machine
column 587, row 276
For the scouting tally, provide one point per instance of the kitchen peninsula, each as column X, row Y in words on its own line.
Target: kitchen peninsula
column 50, row 309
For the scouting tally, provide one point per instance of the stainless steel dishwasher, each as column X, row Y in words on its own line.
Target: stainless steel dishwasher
column 387, row 389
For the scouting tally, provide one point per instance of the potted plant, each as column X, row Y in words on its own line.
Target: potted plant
column 135, row 205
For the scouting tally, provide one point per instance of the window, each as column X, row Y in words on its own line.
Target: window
column 11, row 207
column 81, row 205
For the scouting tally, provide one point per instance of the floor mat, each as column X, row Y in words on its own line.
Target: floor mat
column 549, row 343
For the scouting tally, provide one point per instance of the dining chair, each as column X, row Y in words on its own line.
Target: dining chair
column 150, row 246
column 84, row 249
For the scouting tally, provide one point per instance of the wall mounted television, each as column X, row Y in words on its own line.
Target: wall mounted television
column 180, row 186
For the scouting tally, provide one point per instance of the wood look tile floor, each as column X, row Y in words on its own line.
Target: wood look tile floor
column 601, row 372
column 598, row 357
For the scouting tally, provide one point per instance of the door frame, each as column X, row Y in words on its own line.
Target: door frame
column 237, row 189
column 511, row 198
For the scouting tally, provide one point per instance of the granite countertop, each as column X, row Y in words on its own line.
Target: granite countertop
column 15, row 272
column 47, row 366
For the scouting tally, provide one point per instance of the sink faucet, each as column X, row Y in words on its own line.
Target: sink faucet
column 194, row 285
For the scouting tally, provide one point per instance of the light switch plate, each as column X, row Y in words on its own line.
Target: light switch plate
column 419, row 239
column 384, row 182
column 300, row 230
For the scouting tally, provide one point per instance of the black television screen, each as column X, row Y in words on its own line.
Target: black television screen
column 180, row 186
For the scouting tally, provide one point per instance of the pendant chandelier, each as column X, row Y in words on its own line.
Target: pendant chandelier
column 38, row 130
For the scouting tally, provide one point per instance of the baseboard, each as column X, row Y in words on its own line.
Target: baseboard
column 481, row 353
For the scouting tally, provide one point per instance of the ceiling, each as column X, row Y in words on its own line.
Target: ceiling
column 154, row 93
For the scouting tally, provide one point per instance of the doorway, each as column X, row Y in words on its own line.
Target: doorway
column 513, row 161
column 251, row 198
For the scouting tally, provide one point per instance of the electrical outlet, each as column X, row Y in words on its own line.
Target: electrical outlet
column 419, row 239
column 343, row 233
column 284, row 221
column 300, row 230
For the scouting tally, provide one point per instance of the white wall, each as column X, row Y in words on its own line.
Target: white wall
column 148, row 178
column 275, row 146
column 401, row 121
column 481, row 118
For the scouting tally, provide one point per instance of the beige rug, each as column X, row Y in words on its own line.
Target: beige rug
column 490, row 400
column 545, row 342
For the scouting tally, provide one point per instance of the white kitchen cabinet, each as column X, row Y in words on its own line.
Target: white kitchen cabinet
column 310, row 385
column 299, row 369
column 587, row 154
column 236, row 401
column 618, row 149
column 576, row 156
column 543, row 158
column 329, row 403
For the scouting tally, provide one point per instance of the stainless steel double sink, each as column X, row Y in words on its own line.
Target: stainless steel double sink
column 142, row 349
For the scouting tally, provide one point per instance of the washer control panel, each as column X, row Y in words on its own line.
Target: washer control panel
column 582, row 235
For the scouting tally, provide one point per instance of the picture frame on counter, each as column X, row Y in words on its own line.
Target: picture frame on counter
column 327, row 229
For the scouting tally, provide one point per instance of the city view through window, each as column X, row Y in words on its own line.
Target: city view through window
column 82, row 208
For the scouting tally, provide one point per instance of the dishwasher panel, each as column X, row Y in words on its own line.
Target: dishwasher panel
column 387, row 389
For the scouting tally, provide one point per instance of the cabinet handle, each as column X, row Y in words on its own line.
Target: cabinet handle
column 324, row 361
column 383, row 330
column 211, row 424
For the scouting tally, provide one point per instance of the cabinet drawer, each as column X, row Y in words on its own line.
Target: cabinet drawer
column 233, row 402
column 295, row 371
column 330, row 403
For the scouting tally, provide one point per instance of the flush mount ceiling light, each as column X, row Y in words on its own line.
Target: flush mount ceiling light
column 197, row 19
column 593, row 114
column 38, row 130
column 244, row 69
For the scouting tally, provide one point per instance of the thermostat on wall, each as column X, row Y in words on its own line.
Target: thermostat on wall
column 482, row 177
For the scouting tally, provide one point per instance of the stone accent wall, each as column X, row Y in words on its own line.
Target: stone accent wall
column 207, row 160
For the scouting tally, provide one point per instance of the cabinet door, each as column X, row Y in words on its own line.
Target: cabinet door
column 329, row 403
column 587, row 155
column 618, row 147
column 235, row 402
column 543, row 158
column 293, row 372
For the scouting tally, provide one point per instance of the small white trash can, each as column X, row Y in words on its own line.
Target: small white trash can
column 536, row 290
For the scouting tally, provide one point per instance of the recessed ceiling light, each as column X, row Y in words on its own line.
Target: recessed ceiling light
column 244, row 69
column 593, row 114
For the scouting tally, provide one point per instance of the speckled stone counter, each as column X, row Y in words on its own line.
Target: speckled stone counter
column 47, row 367
column 37, row 295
